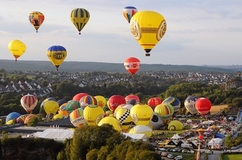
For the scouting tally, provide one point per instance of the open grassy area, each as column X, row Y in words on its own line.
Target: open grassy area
column 217, row 108
column 232, row 157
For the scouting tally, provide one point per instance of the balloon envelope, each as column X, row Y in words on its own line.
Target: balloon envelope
column 128, row 12
column 78, row 96
column 132, row 65
column 114, row 101
column 93, row 114
column 141, row 114
column 203, row 105
column 36, row 18
column 17, row 48
column 101, row 101
column 131, row 97
column 148, row 27
column 56, row 55
column 77, row 118
column 189, row 104
column 72, row 105
column 29, row 102
column 12, row 115
column 175, row 102
column 154, row 101
column 79, row 17
column 51, row 107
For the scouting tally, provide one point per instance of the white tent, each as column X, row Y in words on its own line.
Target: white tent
column 136, row 136
column 215, row 143
column 57, row 134
column 176, row 136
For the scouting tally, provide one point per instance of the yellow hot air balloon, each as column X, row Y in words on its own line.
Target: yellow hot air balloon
column 124, row 118
column 141, row 114
column 17, row 48
column 101, row 101
column 111, row 121
column 79, row 17
column 148, row 27
column 93, row 114
column 56, row 55
column 51, row 107
column 36, row 18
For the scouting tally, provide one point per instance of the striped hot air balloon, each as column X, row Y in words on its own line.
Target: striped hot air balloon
column 29, row 102
column 79, row 17
column 87, row 100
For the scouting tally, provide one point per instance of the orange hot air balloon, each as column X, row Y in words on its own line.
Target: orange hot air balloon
column 132, row 65
column 203, row 105
column 29, row 102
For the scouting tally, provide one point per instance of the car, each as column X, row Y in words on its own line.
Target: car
column 161, row 149
column 179, row 157
column 170, row 156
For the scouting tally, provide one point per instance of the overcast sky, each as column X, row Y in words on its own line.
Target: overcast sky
column 199, row 32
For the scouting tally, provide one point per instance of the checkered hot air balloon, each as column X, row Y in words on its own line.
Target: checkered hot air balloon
column 29, row 102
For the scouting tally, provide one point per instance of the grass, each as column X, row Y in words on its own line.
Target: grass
column 217, row 108
column 231, row 157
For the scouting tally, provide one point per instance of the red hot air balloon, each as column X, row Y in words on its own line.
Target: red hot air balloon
column 203, row 105
column 114, row 101
column 154, row 101
column 29, row 102
column 78, row 96
column 132, row 65
column 132, row 96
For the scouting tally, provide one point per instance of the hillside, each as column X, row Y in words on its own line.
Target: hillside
column 11, row 65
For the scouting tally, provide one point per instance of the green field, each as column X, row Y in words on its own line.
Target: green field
column 232, row 157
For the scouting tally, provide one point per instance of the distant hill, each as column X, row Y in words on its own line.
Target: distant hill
column 69, row 66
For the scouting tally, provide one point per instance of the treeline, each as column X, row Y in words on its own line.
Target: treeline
column 88, row 143
column 10, row 102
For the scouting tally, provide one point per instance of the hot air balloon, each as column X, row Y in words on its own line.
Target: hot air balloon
column 165, row 111
column 124, row 118
column 175, row 102
column 29, row 102
column 114, row 101
column 203, row 105
column 154, row 101
column 87, row 100
column 101, row 101
column 12, row 116
column 78, row 96
column 132, row 65
column 148, row 27
column 21, row 119
column 51, row 107
column 141, row 114
column 79, row 17
column 155, row 122
column 36, row 18
column 77, row 118
column 128, row 12
column 189, row 104
column 72, row 105
column 175, row 125
column 17, row 48
column 130, row 97
column 93, row 114
column 29, row 117
column 56, row 55
column 111, row 121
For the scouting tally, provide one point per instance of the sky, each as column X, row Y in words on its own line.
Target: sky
column 199, row 32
